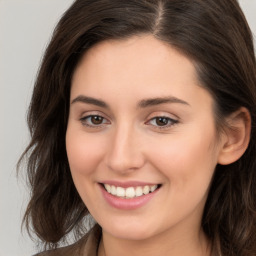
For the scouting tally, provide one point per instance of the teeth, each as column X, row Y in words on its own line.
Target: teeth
column 146, row 190
column 113, row 190
column 153, row 188
column 139, row 191
column 120, row 192
column 130, row 192
column 108, row 188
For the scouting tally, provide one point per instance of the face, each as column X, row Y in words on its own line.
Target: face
column 141, row 138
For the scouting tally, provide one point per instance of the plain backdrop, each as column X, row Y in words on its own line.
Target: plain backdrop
column 25, row 30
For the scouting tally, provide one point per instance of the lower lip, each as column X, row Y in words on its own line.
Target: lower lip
column 127, row 204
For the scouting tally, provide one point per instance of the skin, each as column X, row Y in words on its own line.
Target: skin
column 129, row 145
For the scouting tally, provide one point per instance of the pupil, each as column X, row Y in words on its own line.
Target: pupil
column 97, row 119
column 161, row 121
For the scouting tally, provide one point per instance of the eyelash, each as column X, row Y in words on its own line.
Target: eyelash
column 170, row 122
column 84, row 121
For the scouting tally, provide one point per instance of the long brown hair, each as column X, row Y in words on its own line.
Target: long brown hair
column 216, row 36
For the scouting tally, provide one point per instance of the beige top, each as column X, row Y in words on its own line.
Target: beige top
column 87, row 246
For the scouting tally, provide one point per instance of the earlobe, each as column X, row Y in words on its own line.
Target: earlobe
column 236, row 138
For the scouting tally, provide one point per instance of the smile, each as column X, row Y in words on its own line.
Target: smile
column 130, row 192
column 128, row 195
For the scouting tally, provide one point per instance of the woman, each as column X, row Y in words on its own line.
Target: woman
column 143, row 116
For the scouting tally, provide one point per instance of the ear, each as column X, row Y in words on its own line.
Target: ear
column 236, row 137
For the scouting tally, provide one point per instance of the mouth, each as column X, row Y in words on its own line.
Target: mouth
column 130, row 192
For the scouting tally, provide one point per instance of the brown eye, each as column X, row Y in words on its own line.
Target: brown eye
column 162, row 121
column 94, row 121
column 97, row 120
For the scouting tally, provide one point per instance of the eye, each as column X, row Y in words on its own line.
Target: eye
column 94, row 121
column 162, row 122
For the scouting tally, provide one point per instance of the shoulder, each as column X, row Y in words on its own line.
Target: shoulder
column 64, row 251
column 88, row 245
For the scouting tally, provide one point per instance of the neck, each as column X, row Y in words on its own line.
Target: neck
column 193, row 244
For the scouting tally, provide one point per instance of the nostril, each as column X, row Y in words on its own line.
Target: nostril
column 125, row 164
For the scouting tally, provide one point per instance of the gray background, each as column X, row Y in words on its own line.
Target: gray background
column 25, row 30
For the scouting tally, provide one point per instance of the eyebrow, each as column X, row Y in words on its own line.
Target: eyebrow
column 157, row 101
column 90, row 100
column 142, row 104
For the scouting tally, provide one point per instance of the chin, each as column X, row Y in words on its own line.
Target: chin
column 128, row 232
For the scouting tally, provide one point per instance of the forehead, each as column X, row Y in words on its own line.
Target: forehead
column 144, row 51
column 141, row 65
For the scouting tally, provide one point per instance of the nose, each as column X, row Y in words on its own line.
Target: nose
column 125, row 153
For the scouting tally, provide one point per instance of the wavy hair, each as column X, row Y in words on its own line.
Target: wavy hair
column 212, row 33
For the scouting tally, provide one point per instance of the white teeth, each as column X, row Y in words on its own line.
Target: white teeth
column 113, row 190
column 153, row 188
column 146, row 190
column 130, row 192
column 139, row 191
column 120, row 192
column 108, row 188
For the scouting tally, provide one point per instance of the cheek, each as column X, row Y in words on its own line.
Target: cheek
column 186, row 160
column 187, row 165
column 84, row 156
column 84, row 152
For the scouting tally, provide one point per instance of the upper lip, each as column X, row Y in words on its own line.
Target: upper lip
column 127, row 184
